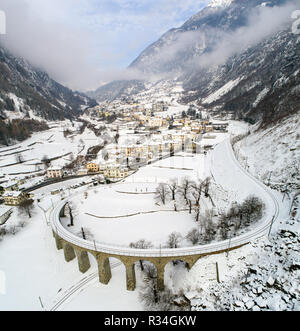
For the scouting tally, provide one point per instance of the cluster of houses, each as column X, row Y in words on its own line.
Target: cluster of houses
column 128, row 108
column 14, row 197
column 152, row 116
column 121, row 158
column 12, row 191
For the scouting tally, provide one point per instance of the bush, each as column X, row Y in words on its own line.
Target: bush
column 240, row 216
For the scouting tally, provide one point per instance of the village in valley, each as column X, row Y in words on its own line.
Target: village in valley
column 123, row 136
column 143, row 174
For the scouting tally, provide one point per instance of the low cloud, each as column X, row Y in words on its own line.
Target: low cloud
column 263, row 22
column 83, row 43
column 55, row 48
column 67, row 39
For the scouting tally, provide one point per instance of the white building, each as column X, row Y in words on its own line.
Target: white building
column 54, row 172
column 14, row 198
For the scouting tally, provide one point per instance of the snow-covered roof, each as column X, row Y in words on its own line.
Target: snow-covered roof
column 9, row 184
column 12, row 194
column 4, row 210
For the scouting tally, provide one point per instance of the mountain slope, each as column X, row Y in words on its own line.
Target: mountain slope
column 27, row 91
column 261, row 84
column 117, row 89
column 237, row 56
column 199, row 35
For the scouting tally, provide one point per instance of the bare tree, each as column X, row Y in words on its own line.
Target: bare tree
column 117, row 137
column 208, row 225
column 19, row 158
column 193, row 236
column 190, row 206
column 162, row 193
column 224, row 226
column 197, row 212
column 206, row 185
column 26, row 207
column 253, row 208
column 46, row 161
column 173, row 187
column 141, row 244
column 154, row 300
column 13, row 229
column 174, row 240
column 22, row 223
column 149, row 293
column 197, row 191
column 85, row 234
column 72, row 211
column 185, row 189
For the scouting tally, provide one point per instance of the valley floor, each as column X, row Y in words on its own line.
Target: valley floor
column 261, row 276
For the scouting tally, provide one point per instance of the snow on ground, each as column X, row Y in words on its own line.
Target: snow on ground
column 34, row 268
column 51, row 143
column 222, row 91
column 266, row 274
column 273, row 155
column 111, row 297
column 116, row 200
column 179, row 166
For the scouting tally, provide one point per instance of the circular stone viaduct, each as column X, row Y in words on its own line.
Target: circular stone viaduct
column 75, row 247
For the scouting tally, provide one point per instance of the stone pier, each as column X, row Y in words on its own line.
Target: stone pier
column 71, row 252
column 83, row 260
column 130, row 277
column 104, row 270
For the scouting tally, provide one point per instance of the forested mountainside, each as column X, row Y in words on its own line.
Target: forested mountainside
column 26, row 89
column 29, row 93
column 116, row 89
column 261, row 84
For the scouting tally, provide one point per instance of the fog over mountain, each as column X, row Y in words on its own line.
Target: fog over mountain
column 238, row 56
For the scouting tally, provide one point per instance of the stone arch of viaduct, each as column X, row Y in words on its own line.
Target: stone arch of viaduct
column 73, row 251
column 74, row 247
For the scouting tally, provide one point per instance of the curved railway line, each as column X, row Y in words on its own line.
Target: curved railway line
column 261, row 230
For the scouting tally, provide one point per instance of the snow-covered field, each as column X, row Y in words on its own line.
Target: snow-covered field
column 50, row 143
column 103, row 210
column 35, row 276
column 34, row 268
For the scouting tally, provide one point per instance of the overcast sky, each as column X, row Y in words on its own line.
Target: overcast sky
column 82, row 43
